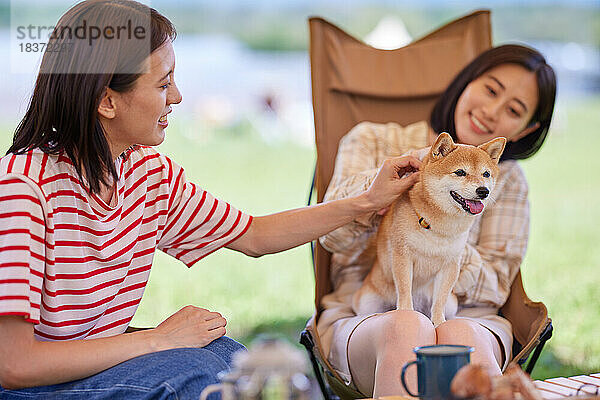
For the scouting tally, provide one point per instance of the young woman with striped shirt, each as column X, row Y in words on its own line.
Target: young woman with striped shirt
column 85, row 200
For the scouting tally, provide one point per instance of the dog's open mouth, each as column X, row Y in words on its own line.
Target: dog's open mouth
column 471, row 206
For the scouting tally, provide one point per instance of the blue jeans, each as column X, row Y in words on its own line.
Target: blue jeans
column 170, row 374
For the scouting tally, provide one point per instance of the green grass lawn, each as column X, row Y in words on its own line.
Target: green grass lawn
column 562, row 266
column 275, row 293
column 257, row 178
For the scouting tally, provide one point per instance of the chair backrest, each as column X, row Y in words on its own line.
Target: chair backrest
column 354, row 82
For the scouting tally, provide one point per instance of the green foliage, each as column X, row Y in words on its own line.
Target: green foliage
column 285, row 28
column 4, row 13
column 273, row 32
column 562, row 23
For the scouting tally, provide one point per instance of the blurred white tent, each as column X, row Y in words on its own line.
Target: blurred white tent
column 390, row 33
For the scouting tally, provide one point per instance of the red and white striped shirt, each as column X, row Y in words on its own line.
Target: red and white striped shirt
column 77, row 267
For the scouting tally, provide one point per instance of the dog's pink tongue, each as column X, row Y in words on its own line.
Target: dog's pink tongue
column 475, row 207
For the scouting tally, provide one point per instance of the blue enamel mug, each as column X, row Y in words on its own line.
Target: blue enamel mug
column 436, row 366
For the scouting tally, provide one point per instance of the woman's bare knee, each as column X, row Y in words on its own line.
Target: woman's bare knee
column 405, row 327
column 381, row 344
column 470, row 333
column 460, row 331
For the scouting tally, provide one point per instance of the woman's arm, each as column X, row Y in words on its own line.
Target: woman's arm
column 359, row 161
column 288, row 229
column 26, row 362
column 492, row 259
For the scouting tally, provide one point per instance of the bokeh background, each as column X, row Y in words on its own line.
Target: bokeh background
column 244, row 132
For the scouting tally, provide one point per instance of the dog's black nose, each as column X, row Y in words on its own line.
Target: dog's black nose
column 482, row 192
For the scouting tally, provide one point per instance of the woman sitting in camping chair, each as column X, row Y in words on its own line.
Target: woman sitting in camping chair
column 507, row 91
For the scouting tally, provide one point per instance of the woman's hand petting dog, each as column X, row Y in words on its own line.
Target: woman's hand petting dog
column 392, row 181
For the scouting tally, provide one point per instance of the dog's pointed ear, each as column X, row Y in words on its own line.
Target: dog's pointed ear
column 494, row 148
column 442, row 146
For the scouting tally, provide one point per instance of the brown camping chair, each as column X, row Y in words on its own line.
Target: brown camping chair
column 354, row 82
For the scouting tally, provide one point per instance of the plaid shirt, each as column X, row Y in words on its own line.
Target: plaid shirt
column 497, row 240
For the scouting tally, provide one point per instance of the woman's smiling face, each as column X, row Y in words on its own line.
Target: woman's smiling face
column 140, row 114
column 501, row 102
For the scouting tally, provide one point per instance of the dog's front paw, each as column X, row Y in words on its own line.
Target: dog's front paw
column 438, row 320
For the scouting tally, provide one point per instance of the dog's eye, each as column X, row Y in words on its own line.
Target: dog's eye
column 486, row 174
column 460, row 172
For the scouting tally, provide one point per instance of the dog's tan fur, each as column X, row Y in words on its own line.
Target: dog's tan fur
column 415, row 267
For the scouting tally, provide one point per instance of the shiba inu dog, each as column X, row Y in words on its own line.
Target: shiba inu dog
column 421, row 239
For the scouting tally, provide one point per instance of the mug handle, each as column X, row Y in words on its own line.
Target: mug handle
column 404, row 378
column 210, row 389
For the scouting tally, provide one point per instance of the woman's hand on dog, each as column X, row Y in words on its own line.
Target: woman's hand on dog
column 189, row 327
column 391, row 182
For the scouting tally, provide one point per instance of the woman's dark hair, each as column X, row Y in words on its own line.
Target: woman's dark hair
column 442, row 116
column 62, row 115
